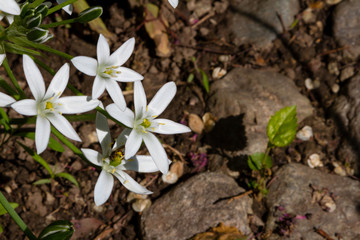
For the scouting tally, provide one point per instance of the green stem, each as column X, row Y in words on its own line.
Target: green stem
column 55, row 24
column 13, row 79
column 60, row 6
column 16, row 217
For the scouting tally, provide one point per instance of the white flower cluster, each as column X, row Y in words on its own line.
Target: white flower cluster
column 48, row 106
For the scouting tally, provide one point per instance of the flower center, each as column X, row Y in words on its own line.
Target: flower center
column 116, row 157
column 112, row 71
column 49, row 106
column 108, row 168
column 146, row 123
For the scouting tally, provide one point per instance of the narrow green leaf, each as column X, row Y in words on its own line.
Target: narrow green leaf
column 42, row 181
column 16, row 49
column 58, row 230
column 67, row 176
column 190, row 78
column 38, row 159
column 9, row 90
column 4, row 119
column 205, row 80
column 281, row 129
column 1, row 229
column 53, row 144
column 3, row 210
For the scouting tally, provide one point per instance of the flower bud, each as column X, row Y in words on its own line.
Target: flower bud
column 39, row 35
column 42, row 9
column 89, row 14
column 60, row 229
column 31, row 22
column 24, row 9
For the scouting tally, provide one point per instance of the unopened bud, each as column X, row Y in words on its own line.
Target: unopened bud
column 42, row 9
column 89, row 14
column 39, row 35
column 34, row 21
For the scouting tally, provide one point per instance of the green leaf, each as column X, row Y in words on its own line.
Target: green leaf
column 281, row 129
column 190, row 78
column 42, row 181
column 53, row 144
column 3, row 210
column 1, row 229
column 205, row 80
column 14, row 48
column 255, row 161
column 38, row 159
column 4, row 120
column 67, row 176
column 9, row 89
column 58, row 230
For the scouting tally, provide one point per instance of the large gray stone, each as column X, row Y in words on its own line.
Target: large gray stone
column 256, row 21
column 346, row 26
column 194, row 206
column 291, row 190
column 244, row 101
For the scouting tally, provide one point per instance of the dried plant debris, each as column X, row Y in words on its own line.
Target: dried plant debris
column 324, row 198
column 221, row 232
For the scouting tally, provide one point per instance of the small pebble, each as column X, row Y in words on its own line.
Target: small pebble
column 224, row 58
column 308, row 16
column 141, row 204
column 309, row 84
column 328, row 204
column 195, row 123
column 218, row 73
column 338, row 169
column 305, row 133
column 332, row 2
column 209, row 122
column 8, row 189
column 333, row 68
column 314, row 161
column 346, row 73
column 335, row 88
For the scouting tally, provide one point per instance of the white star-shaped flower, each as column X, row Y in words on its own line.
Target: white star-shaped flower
column 145, row 121
column 68, row 8
column 48, row 106
column 113, row 163
column 108, row 69
column 9, row 8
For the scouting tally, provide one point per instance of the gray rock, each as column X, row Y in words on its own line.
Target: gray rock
column 244, row 101
column 256, row 21
column 292, row 191
column 347, row 114
column 346, row 26
column 193, row 207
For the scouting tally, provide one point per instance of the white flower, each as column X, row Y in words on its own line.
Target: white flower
column 144, row 121
column 9, row 8
column 108, row 70
column 173, row 3
column 5, row 100
column 2, row 57
column 114, row 163
column 68, row 8
column 48, row 106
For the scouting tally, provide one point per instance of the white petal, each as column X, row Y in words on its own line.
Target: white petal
column 133, row 144
column 130, row 183
column 63, row 125
column 93, row 156
column 86, row 65
column 170, row 127
column 115, row 93
column 2, row 57
column 139, row 98
column 122, row 54
column 5, row 100
column 103, row 50
column 162, row 98
column 122, row 138
column 103, row 188
column 10, row 18
column 103, row 133
column 42, row 134
column 141, row 163
column 77, row 104
column 125, row 117
column 173, row 3
column 59, row 82
column 34, row 78
column 10, row 7
column 25, row 107
column 157, row 152
column 68, row 8
column 128, row 75
column 98, row 87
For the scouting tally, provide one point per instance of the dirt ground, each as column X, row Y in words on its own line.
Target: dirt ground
column 40, row 205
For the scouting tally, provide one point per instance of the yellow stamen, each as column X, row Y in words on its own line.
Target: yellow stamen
column 161, row 123
column 113, row 171
column 49, row 105
column 126, row 181
column 147, row 108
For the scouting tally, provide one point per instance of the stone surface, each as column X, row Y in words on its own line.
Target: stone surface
column 256, row 21
column 347, row 115
column 346, row 26
column 291, row 190
column 244, row 101
column 194, row 206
